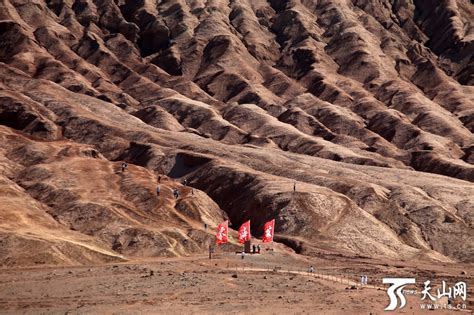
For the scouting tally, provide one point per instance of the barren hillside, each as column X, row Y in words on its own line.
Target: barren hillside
column 366, row 106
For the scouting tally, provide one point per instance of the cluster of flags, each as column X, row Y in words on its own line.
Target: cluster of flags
column 222, row 235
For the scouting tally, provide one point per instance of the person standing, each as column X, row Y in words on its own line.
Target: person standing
column 159, row 179
column 258, row 249
column 211, row 250
column 294, row 186
column 124, row 166
column 158, row 190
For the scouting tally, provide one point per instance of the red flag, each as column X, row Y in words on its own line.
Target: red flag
column 268, row 230
column 244, row 232
column 222, row 235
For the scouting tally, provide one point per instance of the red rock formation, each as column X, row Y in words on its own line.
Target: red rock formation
column 355, row 101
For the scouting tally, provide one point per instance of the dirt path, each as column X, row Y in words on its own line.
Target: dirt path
column 325, row 277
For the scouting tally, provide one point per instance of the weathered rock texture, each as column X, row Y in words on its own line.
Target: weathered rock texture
column 368, row 106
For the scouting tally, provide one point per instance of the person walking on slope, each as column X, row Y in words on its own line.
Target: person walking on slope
column 124, row 166
column 158, row 190
column 159, row 179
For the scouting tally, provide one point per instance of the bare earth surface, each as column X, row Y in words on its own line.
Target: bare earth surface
column 269, row 283
column 174, row 288
column 367, row 109
column 349, row 122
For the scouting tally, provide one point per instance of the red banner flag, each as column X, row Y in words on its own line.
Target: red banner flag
column 222, row 235
column 268, row 230
column 244, row 232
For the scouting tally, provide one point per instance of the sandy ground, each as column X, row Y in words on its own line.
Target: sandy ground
column 265, row 284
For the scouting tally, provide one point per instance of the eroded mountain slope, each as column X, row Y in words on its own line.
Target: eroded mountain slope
column 356, row 103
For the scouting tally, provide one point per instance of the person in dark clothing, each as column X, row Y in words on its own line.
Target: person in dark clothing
column 158, row 190
column 124, row 166
column 294, row 186
column 185, row 182
column 254, row 249
column 258, row 249
column 159, row 179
